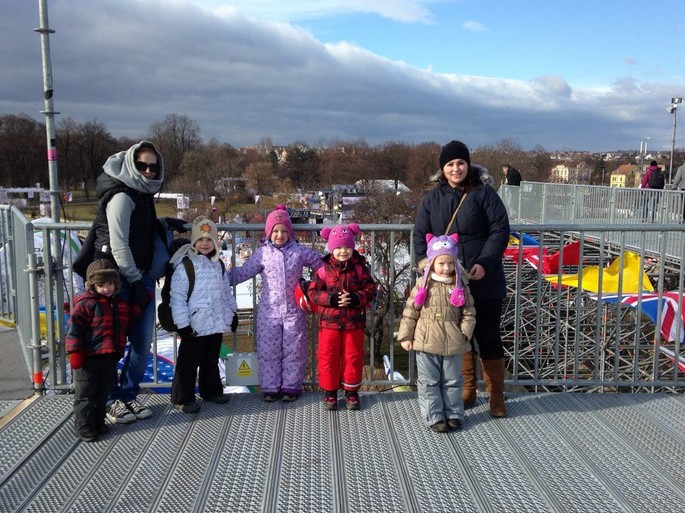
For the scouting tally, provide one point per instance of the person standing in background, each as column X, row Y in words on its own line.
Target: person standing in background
column 679, row 185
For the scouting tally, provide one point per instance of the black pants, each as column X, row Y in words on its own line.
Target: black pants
column 487, row 332
column 92, row 384
column 197, row 353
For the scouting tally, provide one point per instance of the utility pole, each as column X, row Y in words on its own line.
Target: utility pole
column 45, row 32
column 53, row 270
column 673, row 109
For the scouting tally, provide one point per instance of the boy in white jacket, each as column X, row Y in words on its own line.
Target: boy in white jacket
column 201, row 318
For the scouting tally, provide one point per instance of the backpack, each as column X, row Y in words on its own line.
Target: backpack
column 165, row 319
column 656, row 179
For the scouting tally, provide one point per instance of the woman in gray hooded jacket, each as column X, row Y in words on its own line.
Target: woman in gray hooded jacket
column 125, row 224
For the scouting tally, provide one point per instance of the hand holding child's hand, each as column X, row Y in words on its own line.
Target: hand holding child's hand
column 407, row 345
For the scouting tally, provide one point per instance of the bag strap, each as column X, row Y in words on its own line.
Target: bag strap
column 190, row 271
column 454, row 216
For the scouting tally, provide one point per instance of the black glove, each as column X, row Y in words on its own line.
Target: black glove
column 335, row 299
column 140, row 295
column 186, row 332
column 234, row 322
column 177, row 225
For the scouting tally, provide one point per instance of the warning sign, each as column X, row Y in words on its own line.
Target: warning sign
column 244, row 369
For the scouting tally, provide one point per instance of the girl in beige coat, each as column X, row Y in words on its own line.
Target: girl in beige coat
column 438, row 322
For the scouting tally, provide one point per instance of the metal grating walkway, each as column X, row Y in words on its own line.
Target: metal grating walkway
column 555, row 452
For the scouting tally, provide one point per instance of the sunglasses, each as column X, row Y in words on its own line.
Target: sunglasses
column 142, row 166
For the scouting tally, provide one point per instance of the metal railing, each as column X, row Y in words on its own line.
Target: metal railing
column 556, row 337
column 540, row 202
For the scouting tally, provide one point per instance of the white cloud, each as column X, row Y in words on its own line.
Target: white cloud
column 129, row 63
column 474, row 26
column 405, row 11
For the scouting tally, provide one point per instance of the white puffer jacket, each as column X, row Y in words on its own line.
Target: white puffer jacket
column 211, row 306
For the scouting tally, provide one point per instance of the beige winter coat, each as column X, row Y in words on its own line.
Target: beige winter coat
column 438, row 327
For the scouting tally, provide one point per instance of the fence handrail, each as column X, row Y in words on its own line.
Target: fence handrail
column 556, row 338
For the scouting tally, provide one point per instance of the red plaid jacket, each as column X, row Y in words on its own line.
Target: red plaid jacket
column 98, row 324
column 341, row 276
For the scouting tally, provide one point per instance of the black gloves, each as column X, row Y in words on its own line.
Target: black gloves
column 355, row 301
column 234, row 322
column 140, row 294
column 186, row 332
column 177, row 225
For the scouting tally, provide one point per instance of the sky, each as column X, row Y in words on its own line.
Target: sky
column 593, row 75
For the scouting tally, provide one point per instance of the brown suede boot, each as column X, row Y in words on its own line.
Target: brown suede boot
column 493, row 373
column 468, row 374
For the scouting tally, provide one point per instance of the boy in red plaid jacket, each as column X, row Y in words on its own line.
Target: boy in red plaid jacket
column 95, row 342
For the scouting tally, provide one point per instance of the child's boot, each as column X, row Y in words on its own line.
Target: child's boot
column 352, row 400
column 330, row 400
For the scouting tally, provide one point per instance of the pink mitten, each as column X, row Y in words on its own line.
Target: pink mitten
column 457, row 297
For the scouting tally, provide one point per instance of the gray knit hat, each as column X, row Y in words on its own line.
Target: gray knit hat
column 101, row 271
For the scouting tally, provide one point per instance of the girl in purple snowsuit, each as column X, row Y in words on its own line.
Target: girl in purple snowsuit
column 281, row 340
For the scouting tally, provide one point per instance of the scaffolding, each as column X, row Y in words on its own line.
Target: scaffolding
column 562, row 338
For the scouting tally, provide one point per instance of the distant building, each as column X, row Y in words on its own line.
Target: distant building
column 559, row 174
column 381, row 185
column 579, row 174
column 627, row 175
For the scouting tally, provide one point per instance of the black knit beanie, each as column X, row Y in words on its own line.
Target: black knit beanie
column 454, row 150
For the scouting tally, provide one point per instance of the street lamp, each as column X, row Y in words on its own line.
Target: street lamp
column 673, row 109
column 643, row 153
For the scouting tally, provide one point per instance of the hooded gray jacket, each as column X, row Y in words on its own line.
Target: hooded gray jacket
column 125, row 218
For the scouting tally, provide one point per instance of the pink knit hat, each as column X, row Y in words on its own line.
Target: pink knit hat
column 442, row 245
column 278, row 215
column 341, row 235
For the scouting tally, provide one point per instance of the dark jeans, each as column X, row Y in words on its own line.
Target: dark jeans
column 127, row 386
column 92, row 384
column 487, row 332
column 197, row 353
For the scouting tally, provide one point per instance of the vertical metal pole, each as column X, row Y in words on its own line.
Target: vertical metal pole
column 45, row 32
column 37, row 364
column 670, row 170
column 55, row 264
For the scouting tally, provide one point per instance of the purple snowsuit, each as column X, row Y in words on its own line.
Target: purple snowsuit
column 281, row 339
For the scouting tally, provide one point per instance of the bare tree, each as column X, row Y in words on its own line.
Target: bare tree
column 67, row 152
column 175, row 136
column 302, row 166
column 22, row 151
column 83, row 149
column 345, row 163
column 538, row 166
column 392, row 162
column 260, row 178
column 423, row 163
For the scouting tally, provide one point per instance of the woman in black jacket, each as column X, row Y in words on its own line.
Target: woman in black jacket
column 482, row 224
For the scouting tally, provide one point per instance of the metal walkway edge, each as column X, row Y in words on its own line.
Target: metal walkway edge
column 554, row 453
